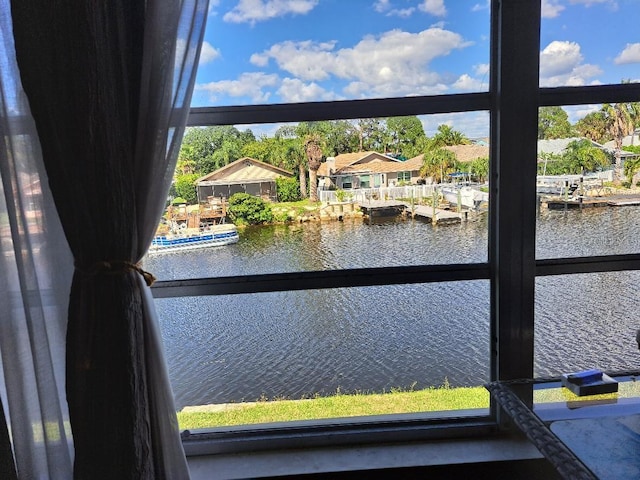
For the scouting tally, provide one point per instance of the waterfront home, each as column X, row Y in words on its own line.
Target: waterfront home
column 463, row 153
column 557, row 146
column 246, row 175
column 366, row 170
column 632, row 140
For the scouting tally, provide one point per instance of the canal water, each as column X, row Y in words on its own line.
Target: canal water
column 298, row 344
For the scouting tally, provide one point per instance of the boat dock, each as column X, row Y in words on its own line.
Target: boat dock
column 437, row 216
column 555, row 203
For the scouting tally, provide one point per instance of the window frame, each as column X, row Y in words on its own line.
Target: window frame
column 512, row 101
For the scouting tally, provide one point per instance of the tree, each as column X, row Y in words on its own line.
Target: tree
column 205, row 149
column 185, row 187
column 339, row 136
column 631, row 167
column 287, row 189
column 314, row 155
column 582, row 156
column 295, row 153
column 593, row 126
column 619, row 121
column 371, row 134
column 479, row 168
column 405, row 135
column 438, row 162
column 447, row 136
column 553, row 122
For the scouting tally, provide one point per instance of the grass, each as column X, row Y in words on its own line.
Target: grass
column 336, row 406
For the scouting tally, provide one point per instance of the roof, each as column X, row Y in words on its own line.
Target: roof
column 463, row 153
column 360, row 162
column 341, row 161
column 557, row 146
column 469, row 153
column 245, row 169
column 628, row 141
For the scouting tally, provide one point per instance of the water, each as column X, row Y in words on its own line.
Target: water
column 303, row 343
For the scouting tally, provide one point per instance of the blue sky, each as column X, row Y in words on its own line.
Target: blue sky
column 275, row 51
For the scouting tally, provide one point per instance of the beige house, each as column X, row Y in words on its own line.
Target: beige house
column 365, row 170
column 463, row 153
column 246, row 175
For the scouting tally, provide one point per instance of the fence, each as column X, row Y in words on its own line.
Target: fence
column 364, row 195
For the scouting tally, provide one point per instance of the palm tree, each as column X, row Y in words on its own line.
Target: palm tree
column 619, row 122
column 314, row 155
column 295, row 155
column 437, row 161
column 631, row 167
column 593, row 126
column 447, row 136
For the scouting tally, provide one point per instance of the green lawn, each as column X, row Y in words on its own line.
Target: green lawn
column 339, row 405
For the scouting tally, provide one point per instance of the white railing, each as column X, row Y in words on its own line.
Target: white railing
column 364, row 195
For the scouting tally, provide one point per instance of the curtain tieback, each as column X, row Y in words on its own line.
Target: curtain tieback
column 115, row 267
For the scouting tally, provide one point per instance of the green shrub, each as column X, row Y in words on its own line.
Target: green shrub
column 186, row 188
column 246, row 209
column 281, row 216
column 288, row 189
column 178, row 201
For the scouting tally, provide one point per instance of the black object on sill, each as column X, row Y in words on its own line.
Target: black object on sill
column 589, row 382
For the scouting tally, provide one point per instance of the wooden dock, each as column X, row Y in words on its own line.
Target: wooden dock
column 382, row 208
column 591, row 202
column 437, row 216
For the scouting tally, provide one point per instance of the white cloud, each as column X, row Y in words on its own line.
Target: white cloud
column 382, row 6
column 561, row 65
column 467, row 83
column 481, row 69
column 479, row 6
column 551, row 8
column 401, row 12
column 208, row 53
column 630, row 54
column 212, row 7
column 247, row 85
column 395, row 62
column 576, row 112
column 252, row 11
column 433, row 7
column 589, row 3
column 386, row 7
column 472, row 124
column 294, row 90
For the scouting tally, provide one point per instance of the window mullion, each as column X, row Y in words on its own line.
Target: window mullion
column 514, row 116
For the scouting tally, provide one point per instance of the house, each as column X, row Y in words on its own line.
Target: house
column 632, row 140
column 557, row 146
column 365, row 170
column 246, row 175
column 463, row 153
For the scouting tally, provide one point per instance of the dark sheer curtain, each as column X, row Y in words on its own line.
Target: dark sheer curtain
column 109, row 86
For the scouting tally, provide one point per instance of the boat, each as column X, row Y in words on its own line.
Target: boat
column 469, row 197
column 211, row 236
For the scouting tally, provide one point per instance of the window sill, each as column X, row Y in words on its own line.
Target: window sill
column 358, row 458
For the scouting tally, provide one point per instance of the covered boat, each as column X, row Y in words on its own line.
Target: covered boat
column 212, row 236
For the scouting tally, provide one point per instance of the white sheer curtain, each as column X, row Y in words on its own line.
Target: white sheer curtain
column 109, row 151
column 35, row 276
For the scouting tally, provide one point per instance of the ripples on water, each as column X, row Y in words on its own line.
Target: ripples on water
column 294, row 344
